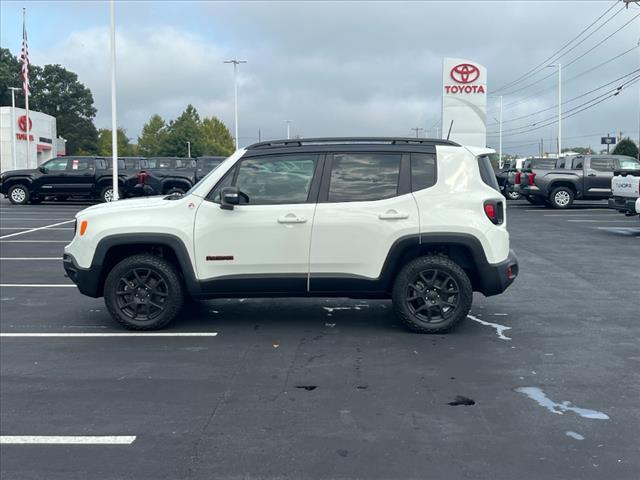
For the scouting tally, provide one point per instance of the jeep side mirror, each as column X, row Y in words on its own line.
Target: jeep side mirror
column 42, row 169
column 230, row 196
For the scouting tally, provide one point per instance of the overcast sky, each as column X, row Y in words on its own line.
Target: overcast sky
column 343, row 68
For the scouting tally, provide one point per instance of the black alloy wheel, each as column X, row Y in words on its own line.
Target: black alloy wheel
column 141, row 294
column 433, row 296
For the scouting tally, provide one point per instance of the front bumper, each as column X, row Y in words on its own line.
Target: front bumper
column 86, row 279
column 623, row 204
column 495, row 278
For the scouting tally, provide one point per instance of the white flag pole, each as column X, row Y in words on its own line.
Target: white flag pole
column 114, row 122
column 26, row 81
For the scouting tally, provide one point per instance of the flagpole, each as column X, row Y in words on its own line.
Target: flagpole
column 26, row 80
column 114, row 121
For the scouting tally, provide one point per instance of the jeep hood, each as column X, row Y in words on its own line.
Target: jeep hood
column 138, row 203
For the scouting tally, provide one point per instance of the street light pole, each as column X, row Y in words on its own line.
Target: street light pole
column 235, row 92
column 114, row 120
column 288, row 129
column 500, row 147
column 188, row 149
column 14, row 156
column 559, row 65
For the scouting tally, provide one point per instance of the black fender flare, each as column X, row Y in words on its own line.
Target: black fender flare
column 165, row 240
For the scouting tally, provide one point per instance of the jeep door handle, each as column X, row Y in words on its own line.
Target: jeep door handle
column 591, row 175
column 393, row 215
column 291, row 218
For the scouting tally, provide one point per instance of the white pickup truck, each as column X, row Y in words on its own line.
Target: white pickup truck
column 625, row 191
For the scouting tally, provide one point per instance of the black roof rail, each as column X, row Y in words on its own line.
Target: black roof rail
column 299, row 142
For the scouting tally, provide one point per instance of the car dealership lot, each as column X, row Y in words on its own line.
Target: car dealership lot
column 329, row 388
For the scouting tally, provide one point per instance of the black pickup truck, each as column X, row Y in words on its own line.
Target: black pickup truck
column 64, row 177
column 580, row 177
column 168, row 175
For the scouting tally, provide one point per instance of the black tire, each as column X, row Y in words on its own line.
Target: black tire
column 19, row 194
column 534, row 200
column 106, row 194
column 423, row 280
column 561, row 197
column 143, row 282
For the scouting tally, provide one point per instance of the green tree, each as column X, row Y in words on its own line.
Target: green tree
column 153, row 140
column 125, row 149
column 9, row 77
column 218, row 139
column 57, row 92
column 186, row 128
column 626, row 146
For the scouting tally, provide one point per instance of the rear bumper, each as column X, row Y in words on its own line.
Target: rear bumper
column 86, row 279
column 529, row 190
column 495, row 278
column 623, row 204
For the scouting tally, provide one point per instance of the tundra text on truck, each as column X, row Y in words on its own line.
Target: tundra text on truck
column 419, row 221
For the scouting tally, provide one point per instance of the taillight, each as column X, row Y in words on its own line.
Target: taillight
column 532, row 178
column 494, row 211
column 518, row 178
column 142, row 177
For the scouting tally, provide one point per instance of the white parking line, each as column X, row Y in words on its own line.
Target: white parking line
column 34, row 241
column 67, row 440
column 36, row 285
column 114, row 334
column 577, row 210
column 26, row 228
column 31, row 258
column 36, row 229
column 597, row 221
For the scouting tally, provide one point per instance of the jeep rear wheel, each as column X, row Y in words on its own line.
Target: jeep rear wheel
column 561, row 197
column 143, row 292
column 432, row 294
column 18, row 195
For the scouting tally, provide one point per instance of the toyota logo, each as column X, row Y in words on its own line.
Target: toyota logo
column 465, row 73
column 22, row 123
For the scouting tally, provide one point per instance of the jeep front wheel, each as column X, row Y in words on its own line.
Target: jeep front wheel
column 432, row 294
column 18, row 195
column 143, row 292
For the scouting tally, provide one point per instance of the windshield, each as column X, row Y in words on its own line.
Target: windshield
column 629, row 164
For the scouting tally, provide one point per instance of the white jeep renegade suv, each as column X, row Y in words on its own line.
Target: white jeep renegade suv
column 419, row 221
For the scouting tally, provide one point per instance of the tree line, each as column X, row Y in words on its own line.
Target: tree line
column 57, row 91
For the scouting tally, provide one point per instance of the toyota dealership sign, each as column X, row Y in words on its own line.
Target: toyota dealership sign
column 464, row 101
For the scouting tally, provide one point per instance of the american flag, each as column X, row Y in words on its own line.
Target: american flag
column 24, row 58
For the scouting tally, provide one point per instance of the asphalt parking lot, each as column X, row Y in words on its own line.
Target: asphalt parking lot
column 541, row 382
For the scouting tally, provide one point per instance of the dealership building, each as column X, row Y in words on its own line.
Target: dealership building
column 44, row 143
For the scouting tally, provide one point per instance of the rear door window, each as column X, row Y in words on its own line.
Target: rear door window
column 603, row 164
column 364, row 176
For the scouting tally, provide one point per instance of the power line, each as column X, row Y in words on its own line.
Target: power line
column 510, row 105
column 548, row 60
column 568, row 101
column 575, row 59
column 586, row 106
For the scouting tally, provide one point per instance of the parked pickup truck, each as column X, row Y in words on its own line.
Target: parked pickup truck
column 580, row 177
column 625, row 189
column 65, row 177
column 505, row 177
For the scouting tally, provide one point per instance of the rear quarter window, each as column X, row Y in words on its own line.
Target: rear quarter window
column 486, row 172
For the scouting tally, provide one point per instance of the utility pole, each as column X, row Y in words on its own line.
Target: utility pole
column 235, row 92
column 114, row 121
column 259, row 136
column 188, row 149
column 14, row 156
column 418, row 130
